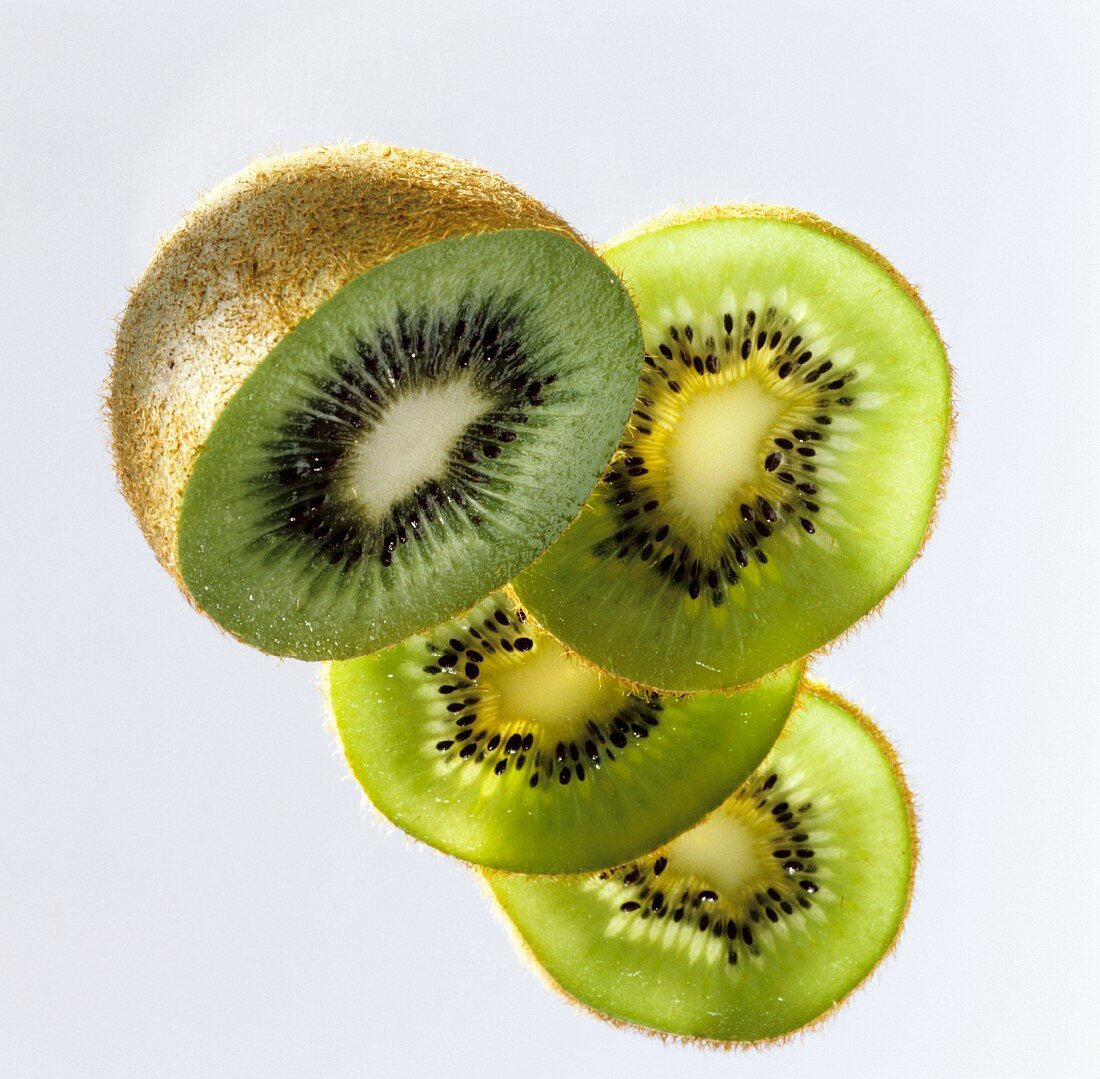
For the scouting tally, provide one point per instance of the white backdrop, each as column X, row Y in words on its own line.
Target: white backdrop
column 187, row 883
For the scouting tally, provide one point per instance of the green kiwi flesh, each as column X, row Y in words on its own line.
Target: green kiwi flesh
column 485, row 739
column 411, row 445
column 759, row 920
column 782, row 464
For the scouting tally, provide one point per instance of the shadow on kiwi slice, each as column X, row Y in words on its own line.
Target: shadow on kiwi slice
column 486, row 739
column 783, row 461
column 759, row 920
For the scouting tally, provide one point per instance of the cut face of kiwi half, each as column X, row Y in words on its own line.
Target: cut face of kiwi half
column 759, row 920
column 359, row 388
column 486, row 739
column 783, row 461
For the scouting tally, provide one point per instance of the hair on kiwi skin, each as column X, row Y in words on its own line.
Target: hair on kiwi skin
column 252, row 259
column 528, row 958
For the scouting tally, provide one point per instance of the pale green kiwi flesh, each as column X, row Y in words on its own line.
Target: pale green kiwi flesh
column 782, row 464
column 412, row 445
column 759, row 920
column 484, row 738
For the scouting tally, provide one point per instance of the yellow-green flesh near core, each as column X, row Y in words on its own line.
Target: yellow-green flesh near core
column 782, row 463
column 488, row 740
column 758, row 920
column 410, row 446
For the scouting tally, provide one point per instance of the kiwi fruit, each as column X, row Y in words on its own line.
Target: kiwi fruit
column 486, row 739
column 784, row 457
column 756, row 922
column 360, row 387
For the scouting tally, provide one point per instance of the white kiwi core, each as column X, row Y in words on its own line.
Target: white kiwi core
column 412, row 443
column 725, row 851
column 715, row 449
column 552, row 688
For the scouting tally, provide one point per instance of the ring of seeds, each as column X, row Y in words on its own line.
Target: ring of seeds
column 758, row 374
column 472, row 671
column 318, row 488
column 752, row 865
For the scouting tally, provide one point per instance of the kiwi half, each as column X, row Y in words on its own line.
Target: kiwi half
column 759, row 920
column 359, row 388
column 783, row 461
column 487, row 740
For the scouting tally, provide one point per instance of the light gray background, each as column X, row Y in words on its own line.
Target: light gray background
column 187, row 883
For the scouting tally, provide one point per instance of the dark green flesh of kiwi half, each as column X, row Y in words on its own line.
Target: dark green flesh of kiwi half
column 485, row 739
column 755, row 922
column 780, row 469
column 419, row 439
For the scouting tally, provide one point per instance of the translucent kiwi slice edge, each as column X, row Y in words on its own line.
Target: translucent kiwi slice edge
column 758, row 921
column 783, row 461
column 484, row 738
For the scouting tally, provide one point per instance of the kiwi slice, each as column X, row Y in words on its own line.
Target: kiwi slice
column 783, row 461
column 361, row 387
column 759, row 920
column 488, row 740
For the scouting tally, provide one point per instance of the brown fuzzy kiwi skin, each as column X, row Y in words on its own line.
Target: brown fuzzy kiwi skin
column 760, row 211
column 529, row 960
column 252, row 259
